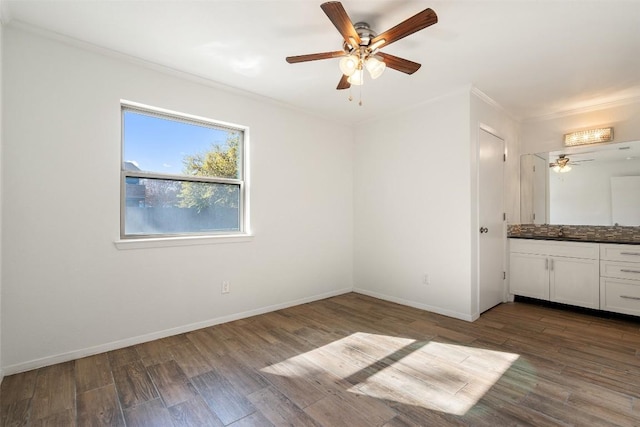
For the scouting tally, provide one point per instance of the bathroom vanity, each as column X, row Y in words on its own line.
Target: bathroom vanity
column 604, row 276
column 579, row 241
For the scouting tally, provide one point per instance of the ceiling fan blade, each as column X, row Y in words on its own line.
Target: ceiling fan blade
column 344, row 84
column 338, row 16
column 407, row 27
column 398, row 63
column 314, row 56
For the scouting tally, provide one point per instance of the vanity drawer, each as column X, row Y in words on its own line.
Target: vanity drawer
column 555, row 248
column 620, row 296
column 620, row 270
column 628, row 253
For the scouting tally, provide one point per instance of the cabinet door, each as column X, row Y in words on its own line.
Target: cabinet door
column 575, row 281
column 528, row 275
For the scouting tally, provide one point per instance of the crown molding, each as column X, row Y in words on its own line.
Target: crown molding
column 492, row 102
column 468, row 88
column 161, row 68
column 400, row 112
column 586, row 109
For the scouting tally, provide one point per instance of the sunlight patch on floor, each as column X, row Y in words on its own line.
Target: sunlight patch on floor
column 433, row 375
column 429, row 379
column 344, row 357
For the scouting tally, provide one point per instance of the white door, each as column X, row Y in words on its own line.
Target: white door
column 540, row 172
column 491, row 238
column 625, row 203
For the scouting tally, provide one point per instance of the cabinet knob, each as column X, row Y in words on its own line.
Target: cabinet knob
column 484, row 230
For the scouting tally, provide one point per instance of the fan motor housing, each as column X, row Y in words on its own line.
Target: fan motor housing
column 366, row 34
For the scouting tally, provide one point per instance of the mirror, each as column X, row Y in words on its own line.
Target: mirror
column 597, row 185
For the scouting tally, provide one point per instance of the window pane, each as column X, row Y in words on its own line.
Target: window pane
column 162, row 206
column 174, row 147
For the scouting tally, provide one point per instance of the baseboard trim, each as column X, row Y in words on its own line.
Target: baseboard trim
column 426, row 307
column 90, row 351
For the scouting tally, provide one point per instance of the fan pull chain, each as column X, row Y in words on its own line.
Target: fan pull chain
column 359, row 94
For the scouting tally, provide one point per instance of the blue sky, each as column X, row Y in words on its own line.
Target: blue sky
column 159, row 145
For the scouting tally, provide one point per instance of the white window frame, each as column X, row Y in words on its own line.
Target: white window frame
column 180, row 239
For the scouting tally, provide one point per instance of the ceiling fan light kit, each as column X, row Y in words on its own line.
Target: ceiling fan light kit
column 561, row 169
column 357, row 78
column 375, row 66
column 561, row 165
column 361, row 46
column 349, row 65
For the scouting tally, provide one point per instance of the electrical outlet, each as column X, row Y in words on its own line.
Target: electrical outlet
column 425, row 279
column 226, row 287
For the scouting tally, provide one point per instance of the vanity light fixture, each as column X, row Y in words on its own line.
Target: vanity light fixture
column 591, row 136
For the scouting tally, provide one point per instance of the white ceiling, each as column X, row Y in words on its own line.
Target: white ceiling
column 532, row 57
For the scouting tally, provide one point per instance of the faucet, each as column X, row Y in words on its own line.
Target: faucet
column 561, row 232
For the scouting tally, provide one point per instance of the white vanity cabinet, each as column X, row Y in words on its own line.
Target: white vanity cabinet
column 559, row 271
column 620, row 278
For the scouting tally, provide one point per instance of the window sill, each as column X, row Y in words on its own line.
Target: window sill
column 164, row 242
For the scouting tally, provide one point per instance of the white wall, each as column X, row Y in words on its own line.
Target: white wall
column 412, row 207
column 546, row 134
column 68, row 291
column 415, row 202
column 1, row 181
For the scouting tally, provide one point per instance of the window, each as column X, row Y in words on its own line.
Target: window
column 181, row 176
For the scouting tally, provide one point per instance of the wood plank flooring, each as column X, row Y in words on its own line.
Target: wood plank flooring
column 351, row 361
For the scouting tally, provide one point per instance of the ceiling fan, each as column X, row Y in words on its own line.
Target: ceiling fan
column 562, row 164
column 361, row 46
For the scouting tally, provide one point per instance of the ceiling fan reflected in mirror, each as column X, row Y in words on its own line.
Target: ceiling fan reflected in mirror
column 361, row 46
column 562, row 164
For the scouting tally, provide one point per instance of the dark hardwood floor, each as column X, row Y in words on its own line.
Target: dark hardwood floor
column 351, row 361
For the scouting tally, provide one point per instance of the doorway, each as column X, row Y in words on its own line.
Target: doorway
column 491, row 219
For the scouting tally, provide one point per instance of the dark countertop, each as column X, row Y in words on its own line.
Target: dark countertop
column 577, row 239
